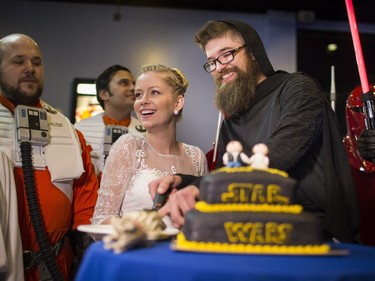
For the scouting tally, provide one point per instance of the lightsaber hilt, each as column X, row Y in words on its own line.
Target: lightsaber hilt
column 333, row 89
column 369, row 109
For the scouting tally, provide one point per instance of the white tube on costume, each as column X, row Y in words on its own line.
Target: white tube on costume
column 217, row 135
column 333, row 88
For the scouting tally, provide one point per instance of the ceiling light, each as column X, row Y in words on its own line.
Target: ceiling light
column 332, row 47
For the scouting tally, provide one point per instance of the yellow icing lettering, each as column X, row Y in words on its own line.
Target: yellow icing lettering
column 283, row 231
column 228, row 230
column 257, row 232
column 232, row 195
column 258, row 194
column 254, row 193
column 238, row 232
column 271, row 229
column 273, row 195
column 243, row 194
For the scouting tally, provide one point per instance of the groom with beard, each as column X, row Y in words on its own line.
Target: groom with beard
column 286, row 111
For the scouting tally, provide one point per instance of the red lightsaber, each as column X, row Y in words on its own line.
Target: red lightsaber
column 367, row 96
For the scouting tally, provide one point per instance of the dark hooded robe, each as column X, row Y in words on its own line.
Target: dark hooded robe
column 293, row 118
column 291, row 115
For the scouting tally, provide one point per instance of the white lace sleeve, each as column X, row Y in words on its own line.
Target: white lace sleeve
column 194, row 161
column 118, row 171
column 202, row 160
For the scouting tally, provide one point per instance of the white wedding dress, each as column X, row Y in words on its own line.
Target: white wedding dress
column 131, row 164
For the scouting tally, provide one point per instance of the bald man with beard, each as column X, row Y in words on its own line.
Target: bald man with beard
column 58, row 182
column 287, row 112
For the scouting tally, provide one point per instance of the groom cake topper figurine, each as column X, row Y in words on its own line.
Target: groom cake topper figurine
column 234, row 157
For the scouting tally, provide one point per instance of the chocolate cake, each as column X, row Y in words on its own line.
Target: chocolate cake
column 247, row 210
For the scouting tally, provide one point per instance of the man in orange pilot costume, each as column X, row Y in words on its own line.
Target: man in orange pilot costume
column 363, row 171
column 64, row 179
column 115, row 94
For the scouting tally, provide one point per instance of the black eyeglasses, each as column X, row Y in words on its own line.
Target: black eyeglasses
column 225, row 58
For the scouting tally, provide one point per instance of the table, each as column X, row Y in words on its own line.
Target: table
column 160, row 263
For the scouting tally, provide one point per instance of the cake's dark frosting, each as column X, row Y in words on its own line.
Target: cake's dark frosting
column 253, row 228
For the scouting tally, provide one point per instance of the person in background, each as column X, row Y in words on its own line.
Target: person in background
column 55, row 180
column 361, row 163
column 115, row 93
column 11, row 267
column 135, row 160
column 366, row 143
column 289, row 113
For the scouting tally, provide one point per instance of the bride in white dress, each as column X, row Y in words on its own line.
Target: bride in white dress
column 135, row 160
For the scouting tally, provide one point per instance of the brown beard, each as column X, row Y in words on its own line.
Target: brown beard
column 17, row 96
column 237, row 96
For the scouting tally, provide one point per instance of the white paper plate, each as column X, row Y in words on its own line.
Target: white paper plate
column 96, row 231
column 171, row 231
column 99, row 231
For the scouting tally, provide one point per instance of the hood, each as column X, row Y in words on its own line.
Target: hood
column 255, row 44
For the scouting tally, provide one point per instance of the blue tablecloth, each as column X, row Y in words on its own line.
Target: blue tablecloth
column 160, row 263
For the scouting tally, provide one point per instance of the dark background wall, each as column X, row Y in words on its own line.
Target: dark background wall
column 80, row 40
column 314, row 59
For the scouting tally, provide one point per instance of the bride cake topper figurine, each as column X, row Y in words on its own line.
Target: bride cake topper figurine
column 259, row 160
